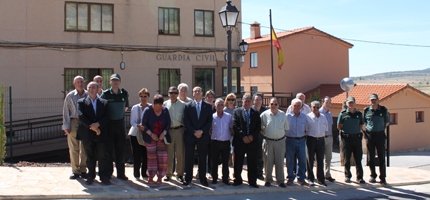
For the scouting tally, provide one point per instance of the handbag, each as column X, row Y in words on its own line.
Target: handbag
column 139, row 135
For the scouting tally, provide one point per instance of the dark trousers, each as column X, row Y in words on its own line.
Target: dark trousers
column 116, row 146
column 251, row 159
column 220, row 148
column 376, row 141
column 352, row 145
column 96, row 151
column 140, row 158
column 260, row 160
column 202, row 151
column 316, row 146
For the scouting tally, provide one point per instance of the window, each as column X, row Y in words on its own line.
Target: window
column 242, row 89
column 203, row 23
column 393, row 118
column 168, row 21
column 167, row 78
column 205, row 79
column 234, row 80
column 254, row 89
column 92, row 17
column 254, row 63
column 419, row 116
column 88, row 75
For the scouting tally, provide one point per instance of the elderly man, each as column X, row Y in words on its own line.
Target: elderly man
column 176, row 132
column 247, row 127
column 70, row 126
column 93, row 118
column 118, row 105
column 197, row 121
column 305, row 108
column 183, row 92
column 296, row 142
column 350, row 122
column 328, row 140
column 376, row 120
column 315, row 143
column 99, row 80
column 258, row 104
column 274, row 123
column 222, row 126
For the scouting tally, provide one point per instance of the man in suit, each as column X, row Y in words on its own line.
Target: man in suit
column 92, row 131
column 197, row 121
column 247, row 127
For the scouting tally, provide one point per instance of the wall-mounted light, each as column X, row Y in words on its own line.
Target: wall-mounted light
column 122, row 64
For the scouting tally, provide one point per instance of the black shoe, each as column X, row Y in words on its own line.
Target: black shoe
column 254, row 185
column 144, row 175
column 226, row 182
column 180, row 179
column 322, row 183
column 122, row 177
column 330, row 179
column 186, row 182
column 237, row 183
column 74, row 176
column 361, row 181
column 282, row 185
column 372, row 180
column 347, row 180
column 106, row 182
column 89, row 181
column 167, row 179
column 261, row 177
column 267, row 184
column 205, row 183
column 214, row 181
column 84, row 175
column 383, row 183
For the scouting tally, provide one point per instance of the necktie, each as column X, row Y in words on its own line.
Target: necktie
column 198, row 110
column 247, row 121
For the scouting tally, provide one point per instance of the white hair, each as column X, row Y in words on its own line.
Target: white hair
column 93, row 82
column 218, row 100
column 315, row 102
column 180, row 86
column 78, row 77
column 296, row 100
column 298, row 94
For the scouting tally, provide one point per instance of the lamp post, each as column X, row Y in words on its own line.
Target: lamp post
column 228, row 15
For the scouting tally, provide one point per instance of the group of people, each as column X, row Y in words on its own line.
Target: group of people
column 166, row 134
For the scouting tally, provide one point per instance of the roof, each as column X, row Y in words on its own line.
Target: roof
column 285, row 34
column 361, row 92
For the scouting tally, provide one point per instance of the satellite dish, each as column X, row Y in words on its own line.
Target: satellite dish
column 347, row 84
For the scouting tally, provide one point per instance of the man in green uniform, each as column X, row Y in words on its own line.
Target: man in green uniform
column 118, row 104
column 350, row 122
column 376, row 120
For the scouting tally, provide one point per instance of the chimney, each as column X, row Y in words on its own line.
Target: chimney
column 255, row 30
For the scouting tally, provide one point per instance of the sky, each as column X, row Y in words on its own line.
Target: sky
column 388, row 21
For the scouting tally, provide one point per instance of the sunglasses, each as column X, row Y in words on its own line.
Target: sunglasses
column 220, row 105
column 274, row 104
column 231, row 99
column 173, row 92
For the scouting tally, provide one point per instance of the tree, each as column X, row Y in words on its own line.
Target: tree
column 314, row 97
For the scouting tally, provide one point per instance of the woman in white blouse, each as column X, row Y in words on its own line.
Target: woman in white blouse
column 139, row 151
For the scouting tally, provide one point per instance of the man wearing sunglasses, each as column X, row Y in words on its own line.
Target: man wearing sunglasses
column 274, row 123
column 176, row 132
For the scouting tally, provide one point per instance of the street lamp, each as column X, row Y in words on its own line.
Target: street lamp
column 346, row 84
column 228, row 15
column 243, row 46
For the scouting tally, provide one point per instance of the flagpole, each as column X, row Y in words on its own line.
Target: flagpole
column 271, row 52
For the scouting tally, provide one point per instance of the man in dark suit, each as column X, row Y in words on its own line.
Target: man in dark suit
column 197, row 121
column 247, row 127
column 93, row 118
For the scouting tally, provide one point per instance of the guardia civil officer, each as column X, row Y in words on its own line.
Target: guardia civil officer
column 376, row 120
column 350, row 122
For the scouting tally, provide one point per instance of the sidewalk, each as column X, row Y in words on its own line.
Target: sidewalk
column 54, row 183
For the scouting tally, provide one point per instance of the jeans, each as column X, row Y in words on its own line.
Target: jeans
column 296, row 146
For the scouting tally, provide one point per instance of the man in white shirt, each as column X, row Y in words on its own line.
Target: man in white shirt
column 315, row 132
column 305, row 108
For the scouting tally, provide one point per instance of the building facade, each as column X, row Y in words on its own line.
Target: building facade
column 44, row 44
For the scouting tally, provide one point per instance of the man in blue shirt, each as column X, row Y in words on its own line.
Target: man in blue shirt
column 295, row 142
column 325, row 110
column 350, row 122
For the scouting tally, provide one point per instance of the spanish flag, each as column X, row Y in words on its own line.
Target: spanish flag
column 275, row 43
